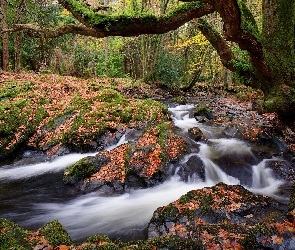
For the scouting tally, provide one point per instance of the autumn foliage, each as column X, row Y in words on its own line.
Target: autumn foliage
column 47, row 112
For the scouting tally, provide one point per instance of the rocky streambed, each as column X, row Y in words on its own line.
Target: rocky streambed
column 197, row 184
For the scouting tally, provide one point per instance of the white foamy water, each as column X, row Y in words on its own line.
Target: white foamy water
column 59, row 163
column 129, row 213
column 25, row 171
column 181, row 119
column 91, row 214
column 263, row 181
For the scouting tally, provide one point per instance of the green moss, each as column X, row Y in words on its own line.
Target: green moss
column 278, row 41
column 201, row 110
column 55, row 233
column 184, row 199
column 13, row 236
column 13, row 89
column 83, row 168
column 179, row 99
column 280, row 100
column 250, row 241
column 128, row 18
column 15, row 120
column 195, row 5
column 166, row 242
column 248, row 23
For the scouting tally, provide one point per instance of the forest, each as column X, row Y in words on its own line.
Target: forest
column 158, row 124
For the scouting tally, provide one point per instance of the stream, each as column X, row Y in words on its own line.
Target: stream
column 32, row 192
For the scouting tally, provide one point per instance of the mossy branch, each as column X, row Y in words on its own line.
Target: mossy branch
column 225, row 53
column 139, row 23
column 240, row 27
column 103, row 25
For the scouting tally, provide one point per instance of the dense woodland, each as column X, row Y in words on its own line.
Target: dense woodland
column 253, row 39
column 78, row 74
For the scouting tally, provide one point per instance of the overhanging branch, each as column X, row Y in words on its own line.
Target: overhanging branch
column 121, row 25
column 38, row 32
column 225, row 53
column 143, row 23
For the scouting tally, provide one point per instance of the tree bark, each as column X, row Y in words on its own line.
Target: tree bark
column 18, row 39
column 106, row 44
column 225, row 53
column 5, row 50
column 278, row 41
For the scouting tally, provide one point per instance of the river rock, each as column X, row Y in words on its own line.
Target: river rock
column 273, row 142
column 223, row 215
column 193, row 167
column 203, row 111
column 84, row 168
column 196, row 134
column 140, row 163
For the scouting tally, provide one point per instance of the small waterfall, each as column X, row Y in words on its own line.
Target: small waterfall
column 236, row 152
column 263, row 181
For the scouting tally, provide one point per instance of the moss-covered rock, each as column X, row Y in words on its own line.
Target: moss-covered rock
column 12, row 236
column 55, row 233
column 139, row 163
column 280, row 100
column 179, row 99
column 50, row 112
column 84, row 168
column 203, row 110
column 220, row 215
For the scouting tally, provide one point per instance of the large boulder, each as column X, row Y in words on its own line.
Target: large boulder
column 224, row 216
column 142, row 162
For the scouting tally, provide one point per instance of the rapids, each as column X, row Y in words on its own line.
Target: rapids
column 32, row 193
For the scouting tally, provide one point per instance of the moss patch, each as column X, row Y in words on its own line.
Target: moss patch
column 53, row 111
column 12, row 236
column 55, row 233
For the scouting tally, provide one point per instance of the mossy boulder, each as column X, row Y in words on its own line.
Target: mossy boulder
column 280, row 100
column 215, row 214
column 139, row 163
column 54, row 113
column 204, row 111
column 84, row 168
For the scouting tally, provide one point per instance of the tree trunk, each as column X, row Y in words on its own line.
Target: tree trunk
column 17, row 51
column 278, row 41
column 5, row 51
column 106, row 44
column 18, row 39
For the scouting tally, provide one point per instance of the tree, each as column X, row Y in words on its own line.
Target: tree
column 271, row 50
column 5, row 50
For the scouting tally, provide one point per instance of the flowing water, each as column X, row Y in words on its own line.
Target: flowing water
column 32, row 193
